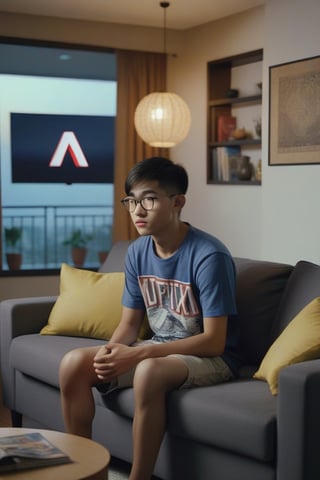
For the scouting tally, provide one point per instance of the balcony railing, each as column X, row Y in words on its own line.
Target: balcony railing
column 45, row 228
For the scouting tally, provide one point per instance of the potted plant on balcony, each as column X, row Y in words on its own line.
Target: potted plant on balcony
column 12, row 236
column 78, row 242
column 104, row 241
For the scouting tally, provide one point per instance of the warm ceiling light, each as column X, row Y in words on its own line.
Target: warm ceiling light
column 162, row 119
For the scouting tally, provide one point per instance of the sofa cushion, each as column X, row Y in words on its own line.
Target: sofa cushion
column 260, row 285
column 39, row 356
column 302, row 287
column 89, row 304
column 217, row 416
column 299, row 341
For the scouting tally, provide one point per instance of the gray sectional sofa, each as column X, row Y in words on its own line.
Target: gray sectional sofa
column 234, row 431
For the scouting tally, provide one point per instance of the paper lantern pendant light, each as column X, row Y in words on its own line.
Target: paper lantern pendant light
column 162, row 119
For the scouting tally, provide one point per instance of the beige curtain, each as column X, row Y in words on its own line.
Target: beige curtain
column 139, row 73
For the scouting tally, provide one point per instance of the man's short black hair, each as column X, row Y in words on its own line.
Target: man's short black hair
column 171, row 177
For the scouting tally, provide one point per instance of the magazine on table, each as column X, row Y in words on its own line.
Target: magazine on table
column 29, row 450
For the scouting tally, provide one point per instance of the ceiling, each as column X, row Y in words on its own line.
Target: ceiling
column 51, row 61
column 43, row 60
column 181, row 15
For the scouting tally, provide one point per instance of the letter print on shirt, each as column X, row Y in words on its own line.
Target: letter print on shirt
column 171, row 307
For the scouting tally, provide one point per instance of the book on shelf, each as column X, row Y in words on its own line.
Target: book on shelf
column 29, row 450
column 225, row 161
column 226, row 125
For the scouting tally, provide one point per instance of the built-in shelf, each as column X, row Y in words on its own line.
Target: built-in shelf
column 234, row 182
column 220, row 73
column 233, row 101
column 246, row 141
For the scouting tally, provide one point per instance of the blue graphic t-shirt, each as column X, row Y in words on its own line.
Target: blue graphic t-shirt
column 197, row 281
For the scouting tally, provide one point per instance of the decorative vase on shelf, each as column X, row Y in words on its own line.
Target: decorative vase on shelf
column 245, row 168
column 257, row 127
column 259, row 171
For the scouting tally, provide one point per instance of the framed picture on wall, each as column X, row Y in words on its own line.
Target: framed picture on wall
column 294, row 112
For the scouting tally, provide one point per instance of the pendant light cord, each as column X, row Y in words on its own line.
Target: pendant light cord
column 164, row 5
column 162, row 119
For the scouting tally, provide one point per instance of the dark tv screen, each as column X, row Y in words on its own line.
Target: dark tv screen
column 62, row 148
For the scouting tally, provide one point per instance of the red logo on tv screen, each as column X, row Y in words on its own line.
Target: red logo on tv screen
column 68, row 143
column 40, row 142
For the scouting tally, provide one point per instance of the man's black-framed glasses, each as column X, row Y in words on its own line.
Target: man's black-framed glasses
column 147, row 202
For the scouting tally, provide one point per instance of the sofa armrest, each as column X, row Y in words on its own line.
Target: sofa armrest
column 299, row 422
column 20, row 316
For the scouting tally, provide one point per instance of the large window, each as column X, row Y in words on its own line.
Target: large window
column 57, row 112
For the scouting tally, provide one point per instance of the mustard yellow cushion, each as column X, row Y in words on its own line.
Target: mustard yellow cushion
column 299, row 341
column 89, row 304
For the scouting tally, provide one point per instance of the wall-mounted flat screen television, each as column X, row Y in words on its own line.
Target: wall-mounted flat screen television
column 67, row 149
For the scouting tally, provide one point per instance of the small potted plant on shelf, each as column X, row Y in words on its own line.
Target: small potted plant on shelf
column 78, row 242
column 12, row 236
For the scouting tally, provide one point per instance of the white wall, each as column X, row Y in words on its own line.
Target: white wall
column 233, row 213
column 291, row 194
column 277, row 221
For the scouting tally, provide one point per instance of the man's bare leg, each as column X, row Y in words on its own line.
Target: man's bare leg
column 77, row 377
column 153, row 379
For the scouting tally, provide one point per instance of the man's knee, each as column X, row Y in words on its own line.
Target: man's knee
column 150, row 376
column 150, row 367
column 71, row 365
column 71, row 360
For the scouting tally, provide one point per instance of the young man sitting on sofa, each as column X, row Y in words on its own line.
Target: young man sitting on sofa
column 184, row 279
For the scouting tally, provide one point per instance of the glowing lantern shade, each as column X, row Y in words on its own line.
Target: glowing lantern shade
column 162, row 119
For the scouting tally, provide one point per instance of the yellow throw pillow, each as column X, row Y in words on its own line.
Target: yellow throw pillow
column 89, row 305
column 299, row 341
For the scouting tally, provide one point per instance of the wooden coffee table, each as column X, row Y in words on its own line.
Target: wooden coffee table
column 90, row 459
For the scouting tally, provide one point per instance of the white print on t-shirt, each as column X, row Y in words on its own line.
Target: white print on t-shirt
column 171, row 306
